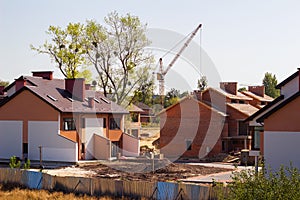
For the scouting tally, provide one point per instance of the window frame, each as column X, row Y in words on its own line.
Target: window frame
column 71, row 126
column 188, row 144
column 114, row 123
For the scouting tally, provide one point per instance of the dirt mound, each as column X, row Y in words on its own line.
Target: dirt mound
column 164, row 171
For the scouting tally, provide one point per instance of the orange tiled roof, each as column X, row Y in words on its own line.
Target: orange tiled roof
column 247, row 109
column 254, row 96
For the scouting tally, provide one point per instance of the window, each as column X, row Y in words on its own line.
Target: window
column 82, row 148
column 104, row 122
column 135, row 132
column 256, row 139
column 243, row 128
column 233, row 101
column 224, row 146
column 69, row 124
column 241, row 102
column 83, row 123
column 114, row 123
column 25, row 148
column 134, row 117
column 188, row 145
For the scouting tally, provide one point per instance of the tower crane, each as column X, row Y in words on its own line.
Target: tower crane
column 162, row 72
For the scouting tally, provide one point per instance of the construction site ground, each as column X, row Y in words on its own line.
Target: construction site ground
column 142, row 168
column 128, row 170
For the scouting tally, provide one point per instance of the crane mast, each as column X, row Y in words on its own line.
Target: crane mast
column 162, row 72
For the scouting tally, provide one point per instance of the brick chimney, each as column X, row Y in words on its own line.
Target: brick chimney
column 20, row 83
column 44, row 74
column 258, row 90
column 230, row 87
column 91, row 102
column 2, row 90
column 76, row 87
column 198, row 95
column 299, row 78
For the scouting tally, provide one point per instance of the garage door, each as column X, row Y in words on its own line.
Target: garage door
column 10, row 139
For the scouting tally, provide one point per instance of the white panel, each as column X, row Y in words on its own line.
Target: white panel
column 290, row 88
column 11, row 139
column 11, row 91
column 92, row 126
column 54, row 146
column 281, row 148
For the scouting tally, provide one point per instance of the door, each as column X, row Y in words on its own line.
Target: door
column 115, row 146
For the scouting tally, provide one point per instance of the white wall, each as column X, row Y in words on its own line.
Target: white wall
column 11, row 91
column 131, row 145
column 281, row 148
column 290, row 88
column 54, row 146
column 102, row 148
column 11, row 139
column 92, row 126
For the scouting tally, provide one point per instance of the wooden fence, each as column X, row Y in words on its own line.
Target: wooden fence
column 110, row 187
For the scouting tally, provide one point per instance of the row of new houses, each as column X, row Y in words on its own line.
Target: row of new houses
column 211, row 121
column 224, row 120
column 71, row 122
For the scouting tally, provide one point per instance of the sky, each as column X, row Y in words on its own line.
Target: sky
column 241, row 39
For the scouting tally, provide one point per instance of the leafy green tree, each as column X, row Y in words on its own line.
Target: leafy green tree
column 270, row 83
column 242, row 89
column 4, row 83
column 117, row 52
column 65, row 48
column 202, row 83
column 86, row 74
column 171, row 97
column 144, row 93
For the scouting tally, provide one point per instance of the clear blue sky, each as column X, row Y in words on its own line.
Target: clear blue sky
column 244, row 39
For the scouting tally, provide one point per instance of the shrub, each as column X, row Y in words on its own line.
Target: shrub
column 266, row 184
column 14, row 162
column 27, row 164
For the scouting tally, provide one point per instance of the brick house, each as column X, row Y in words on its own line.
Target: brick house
column 190, row 128
column 281, row 135
column 133, row 120
column 184, row 126
column 259, row 98
column 147, row 114
column 237, row 107
column 67, row 119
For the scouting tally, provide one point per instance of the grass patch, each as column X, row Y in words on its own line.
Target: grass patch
column 17, row 192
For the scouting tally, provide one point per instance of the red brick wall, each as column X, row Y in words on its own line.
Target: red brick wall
column 189, row 120
column 230, row 87
column 255, row 102
column 233, row 118
column 258, row 90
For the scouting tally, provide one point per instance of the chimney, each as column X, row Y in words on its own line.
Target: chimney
column 44, row 74
column 76, row 87
column 2, row 90
column 299, row 78
column 91, row 102
column 230, row 87
column 258, row 90
column 87, row 86
column 20, row 83
column 198, row 95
